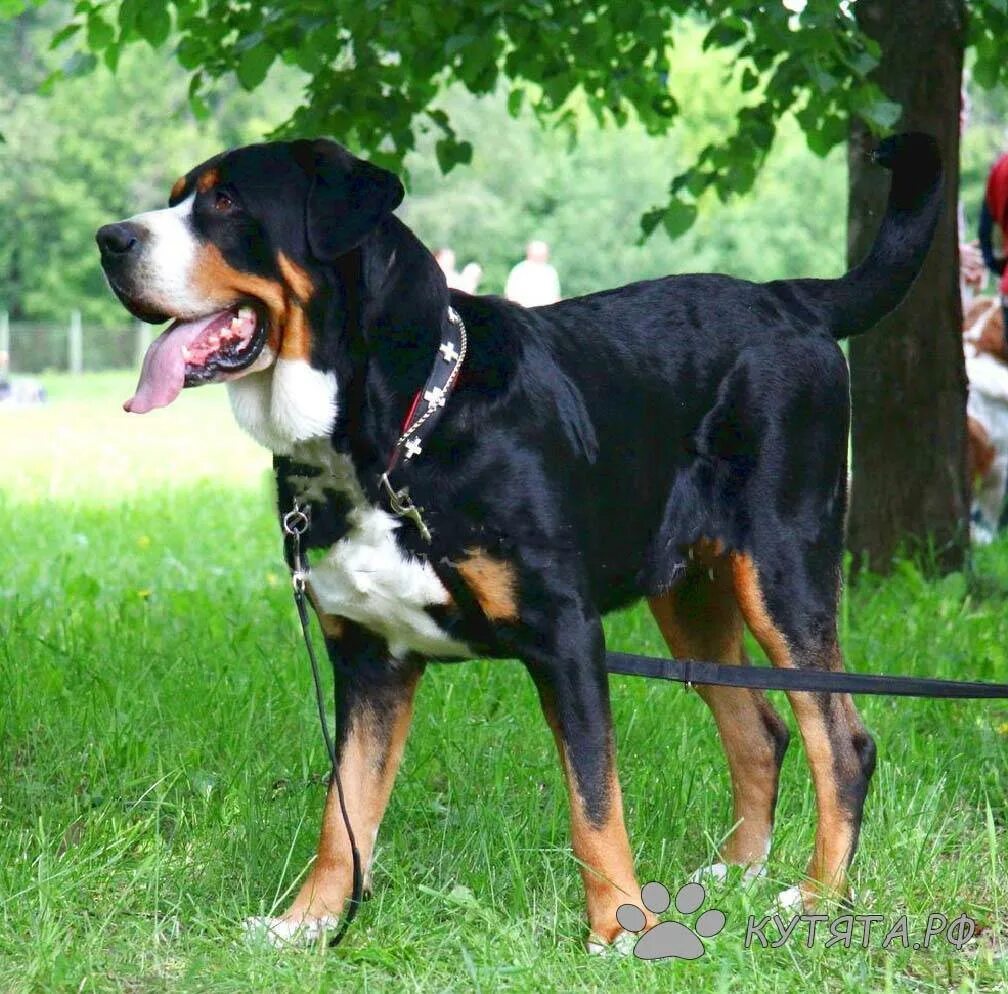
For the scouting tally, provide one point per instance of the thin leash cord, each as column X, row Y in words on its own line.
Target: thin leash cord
column 294, row 525
column 358, row 876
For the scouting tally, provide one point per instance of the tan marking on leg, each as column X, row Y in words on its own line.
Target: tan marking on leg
column 178, row 188
column 826, row 737
column 601, row 848
column 750, row 600
column 369, row 761
column 700, row 619
column 492, row 582
column 207, row 180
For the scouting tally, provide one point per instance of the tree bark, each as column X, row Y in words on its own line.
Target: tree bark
column 908, row 381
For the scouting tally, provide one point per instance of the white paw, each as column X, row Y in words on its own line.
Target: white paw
column 791, row 900
column 719, row 872
column 288, row 931
column 622, row 945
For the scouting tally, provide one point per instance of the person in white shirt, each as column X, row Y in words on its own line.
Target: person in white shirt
column 467, row 280
column 533, row 282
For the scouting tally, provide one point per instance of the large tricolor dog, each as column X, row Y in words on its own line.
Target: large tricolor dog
column 682, row 439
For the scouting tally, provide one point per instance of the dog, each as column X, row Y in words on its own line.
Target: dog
column 986, row 360
column 682, row 440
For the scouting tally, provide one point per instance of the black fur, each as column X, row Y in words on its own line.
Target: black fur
column 589, row 443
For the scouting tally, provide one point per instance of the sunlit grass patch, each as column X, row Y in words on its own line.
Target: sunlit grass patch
column 162, row 773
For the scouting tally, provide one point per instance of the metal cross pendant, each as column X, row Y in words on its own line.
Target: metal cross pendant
column 435, row 397
column 448, row 351
column 413, row 447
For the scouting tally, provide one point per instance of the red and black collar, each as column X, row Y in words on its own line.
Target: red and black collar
column 423, row 416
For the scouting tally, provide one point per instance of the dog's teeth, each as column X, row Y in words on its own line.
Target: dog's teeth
column 186, row 354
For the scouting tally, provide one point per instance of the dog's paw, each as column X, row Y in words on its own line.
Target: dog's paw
column 791, row 899
column 798, row 900
column 622, row 945
column 718, row 872
column 288, row 931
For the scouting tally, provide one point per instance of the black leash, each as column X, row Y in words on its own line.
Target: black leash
column 702, row 671
column 295, row 524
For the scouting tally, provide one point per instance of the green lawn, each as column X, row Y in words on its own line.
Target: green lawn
column 162, row 773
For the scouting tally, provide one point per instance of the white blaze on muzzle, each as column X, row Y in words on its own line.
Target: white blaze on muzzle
column 164, row 272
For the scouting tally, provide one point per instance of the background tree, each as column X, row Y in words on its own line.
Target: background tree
column 908, row 380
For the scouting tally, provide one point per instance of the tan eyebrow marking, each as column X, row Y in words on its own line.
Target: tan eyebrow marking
column 207, row 179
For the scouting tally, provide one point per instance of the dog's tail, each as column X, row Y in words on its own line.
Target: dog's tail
column 866, row 294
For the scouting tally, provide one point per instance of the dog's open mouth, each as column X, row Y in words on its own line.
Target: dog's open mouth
column 197, row 351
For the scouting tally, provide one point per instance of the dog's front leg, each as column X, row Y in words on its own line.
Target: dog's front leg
column 375, row 705
column 574, row 693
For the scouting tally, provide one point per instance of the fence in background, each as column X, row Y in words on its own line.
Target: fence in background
column 71, row 346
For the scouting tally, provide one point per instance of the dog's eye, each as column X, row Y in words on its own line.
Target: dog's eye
column 222, row 202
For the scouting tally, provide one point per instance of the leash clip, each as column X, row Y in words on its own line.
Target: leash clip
column 295, row 523
column 403, row 507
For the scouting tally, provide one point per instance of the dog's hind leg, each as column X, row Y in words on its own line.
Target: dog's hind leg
column 789, row 601
column 700, row 619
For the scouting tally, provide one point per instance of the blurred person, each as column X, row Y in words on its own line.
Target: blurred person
column 972, row 274
column 533, row 282
column 469, row 278
column 993, row 225
column 445, row 258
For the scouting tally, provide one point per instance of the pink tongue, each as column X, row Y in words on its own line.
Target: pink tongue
column 163, row 373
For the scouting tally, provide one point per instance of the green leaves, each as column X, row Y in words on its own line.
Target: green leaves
column 375, row 69
column 881, row 113
column 451, row 152
column 679, row 217
column 153, row 22
column 253, row 65
column 726, row 33
column 99, row 32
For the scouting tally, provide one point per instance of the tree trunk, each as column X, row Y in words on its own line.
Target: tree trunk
column 908, row 381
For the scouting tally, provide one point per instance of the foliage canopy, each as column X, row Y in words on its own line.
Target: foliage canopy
column 377, row 70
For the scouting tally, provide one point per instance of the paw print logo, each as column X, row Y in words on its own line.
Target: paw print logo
column 670, row 940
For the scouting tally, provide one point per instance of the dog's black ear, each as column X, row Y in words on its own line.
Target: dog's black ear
column 347, row 199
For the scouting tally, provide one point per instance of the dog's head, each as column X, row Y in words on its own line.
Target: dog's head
column 237, row 261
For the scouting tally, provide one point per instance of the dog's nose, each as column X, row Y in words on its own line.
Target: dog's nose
column 116, row 239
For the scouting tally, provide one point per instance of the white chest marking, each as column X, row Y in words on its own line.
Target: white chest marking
column 365, row 577
column 285, row 405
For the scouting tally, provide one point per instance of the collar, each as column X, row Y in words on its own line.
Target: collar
column 423, row 416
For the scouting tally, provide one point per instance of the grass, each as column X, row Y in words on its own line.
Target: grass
column 162, row 773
